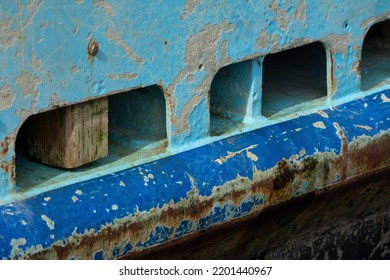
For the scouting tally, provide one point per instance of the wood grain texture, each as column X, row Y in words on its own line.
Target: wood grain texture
column 71, row 136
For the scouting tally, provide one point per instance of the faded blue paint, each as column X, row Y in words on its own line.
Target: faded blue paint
column 45, row 63
column 183, row 229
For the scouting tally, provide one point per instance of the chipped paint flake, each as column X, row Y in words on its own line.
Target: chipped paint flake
column 15, row 243
column 319, row 124
column 366, row 127
column 127, row 76
column 74, row 199
column 78, row 192
column 114, row 207
column 322, row 113
column 252, row 156
column 7, row 97
column 8, row 36
column 28, row 83
column 384, row 98
column 48, row 198
column 121, row 184
column 48, row 221
column 104, row 5
column 112, row 35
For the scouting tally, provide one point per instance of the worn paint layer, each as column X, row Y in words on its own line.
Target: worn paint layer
column 254, row 160
column 192, row 191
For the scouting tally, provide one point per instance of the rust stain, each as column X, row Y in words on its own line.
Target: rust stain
column 367, row 154
column 277, row 184
column 285, row 175
column 344, row 151
column 9, row 167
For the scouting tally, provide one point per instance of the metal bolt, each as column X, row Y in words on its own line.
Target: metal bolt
column 93, row 48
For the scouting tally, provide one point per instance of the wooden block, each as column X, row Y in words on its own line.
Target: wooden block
column 71, row 136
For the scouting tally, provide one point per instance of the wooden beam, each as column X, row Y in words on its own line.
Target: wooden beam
column 71, row 136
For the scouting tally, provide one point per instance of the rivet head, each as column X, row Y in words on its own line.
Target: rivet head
column 93, row 48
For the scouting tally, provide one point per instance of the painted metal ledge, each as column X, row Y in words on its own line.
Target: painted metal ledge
column 128, row 211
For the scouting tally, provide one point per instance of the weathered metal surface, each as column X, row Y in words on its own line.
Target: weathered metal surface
column 134, row 209
column 45, row 60
column 148, row 193
column 352, row 222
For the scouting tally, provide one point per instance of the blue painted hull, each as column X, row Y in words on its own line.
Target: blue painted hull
column 151, row 204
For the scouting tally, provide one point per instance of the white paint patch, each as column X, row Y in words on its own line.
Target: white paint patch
column 48, row 221
column 252, row 156
column 365, row 105
column 319, row 125
column 15, row 243
column 23, row 222
column 52, row 236
column 366, row 127
column 114, row 207
column 74, row 198
column 229, row 155
column 151, row 176
column 179, row 182
column 322, row 113
column 298, row 129
column 47, row 198
column 384, row 98
column 122, row 184
column 78, row 192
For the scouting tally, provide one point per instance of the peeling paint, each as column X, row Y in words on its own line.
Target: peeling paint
column 7, row 97
column 385, row 98
column 319, row 124
column 112, row 35
column 105, row 6
column 48, row 221
column 189, row 8
column 8, row 37
column 181, row 47
column 127, row 76
column 223, row 159
column 28, row 84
